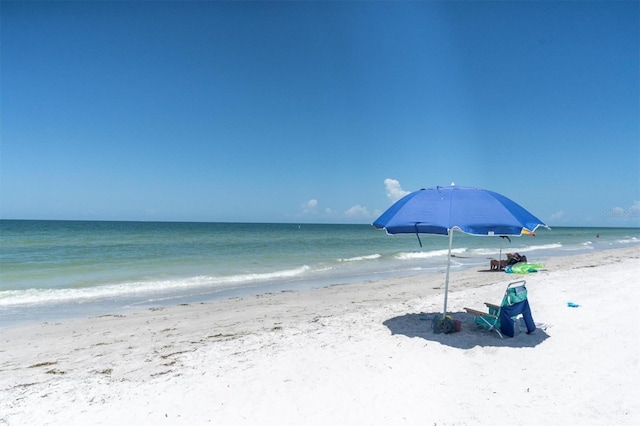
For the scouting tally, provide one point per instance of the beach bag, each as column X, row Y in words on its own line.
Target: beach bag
column 444, row 325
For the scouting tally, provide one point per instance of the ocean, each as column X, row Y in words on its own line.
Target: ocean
column 55, row 270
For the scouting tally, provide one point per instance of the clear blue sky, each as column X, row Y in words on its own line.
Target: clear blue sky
column 316, row 111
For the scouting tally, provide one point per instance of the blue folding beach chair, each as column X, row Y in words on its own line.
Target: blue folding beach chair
column 501, row 318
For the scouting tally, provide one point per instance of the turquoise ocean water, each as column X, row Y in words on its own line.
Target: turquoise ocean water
column 52, row 270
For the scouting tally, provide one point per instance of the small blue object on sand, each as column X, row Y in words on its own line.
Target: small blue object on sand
column 572, row 305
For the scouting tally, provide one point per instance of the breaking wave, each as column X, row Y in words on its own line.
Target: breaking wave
column 40, row 296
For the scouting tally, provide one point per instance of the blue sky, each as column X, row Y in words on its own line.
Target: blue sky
column 317, row 111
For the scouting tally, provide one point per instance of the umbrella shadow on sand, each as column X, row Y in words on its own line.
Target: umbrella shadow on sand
column 420, row 325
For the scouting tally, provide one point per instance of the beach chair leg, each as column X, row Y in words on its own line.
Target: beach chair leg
column 491, row 326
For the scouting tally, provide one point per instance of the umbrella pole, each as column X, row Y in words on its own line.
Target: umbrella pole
column 446, row 280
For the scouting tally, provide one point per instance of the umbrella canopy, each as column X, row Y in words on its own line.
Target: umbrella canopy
column 442, row 210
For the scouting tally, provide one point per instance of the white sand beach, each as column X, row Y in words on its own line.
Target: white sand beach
column 360, row 354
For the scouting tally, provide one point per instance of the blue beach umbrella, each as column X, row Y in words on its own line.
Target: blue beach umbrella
column 442, row 210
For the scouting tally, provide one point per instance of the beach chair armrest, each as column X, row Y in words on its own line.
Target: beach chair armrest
column 492, row 306
column 479, row 313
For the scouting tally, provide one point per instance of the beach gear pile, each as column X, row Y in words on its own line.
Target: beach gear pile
column 518, row 264
column 444, row 325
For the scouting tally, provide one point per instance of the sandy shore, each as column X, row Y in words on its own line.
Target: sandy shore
column 344, row 355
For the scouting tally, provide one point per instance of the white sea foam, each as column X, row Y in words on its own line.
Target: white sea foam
column 323, row 269
column 360, row 258
column 427, row 254
column 629, row 240
column 40, row 296
column 539, row 247
column 490, row 251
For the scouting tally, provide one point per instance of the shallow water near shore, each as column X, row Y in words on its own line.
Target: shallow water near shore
column 52, row 270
